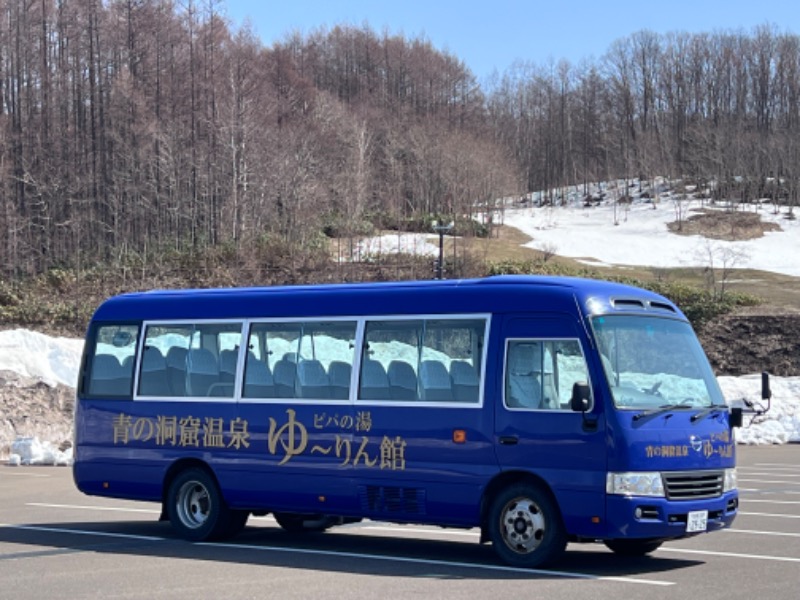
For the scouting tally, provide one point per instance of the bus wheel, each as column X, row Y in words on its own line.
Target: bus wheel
column 196, row 508
column 525, row 526
column 633, row 547
column 299, row 523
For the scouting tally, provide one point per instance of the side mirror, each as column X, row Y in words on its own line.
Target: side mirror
column 736, row 417
column 581, row 400
column 766, row 393
column 756, row 409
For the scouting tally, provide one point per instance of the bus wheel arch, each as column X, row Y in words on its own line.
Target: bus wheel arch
column 173, row 471
column 522, row 520
column 504, row 480
column 195, row 506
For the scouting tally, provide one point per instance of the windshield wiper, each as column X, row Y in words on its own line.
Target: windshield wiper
column 664, row 408
column 707, row 411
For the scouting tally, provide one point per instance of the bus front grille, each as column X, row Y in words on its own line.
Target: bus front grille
column 693, row 485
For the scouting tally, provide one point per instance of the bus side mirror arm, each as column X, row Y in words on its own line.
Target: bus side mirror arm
column 766, row 395
column 581, row 402
column 736, row 418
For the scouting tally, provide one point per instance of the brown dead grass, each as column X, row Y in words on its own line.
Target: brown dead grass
column 723, row 225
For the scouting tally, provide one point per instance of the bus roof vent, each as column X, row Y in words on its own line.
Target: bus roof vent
column 662, row 306
column 624, row 303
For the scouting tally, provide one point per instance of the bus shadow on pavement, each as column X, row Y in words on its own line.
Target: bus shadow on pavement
column 351, row 552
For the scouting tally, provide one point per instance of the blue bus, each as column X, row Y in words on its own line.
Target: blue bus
column 542, row 410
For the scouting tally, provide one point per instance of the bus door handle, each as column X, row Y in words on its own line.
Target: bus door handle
column 508, row 440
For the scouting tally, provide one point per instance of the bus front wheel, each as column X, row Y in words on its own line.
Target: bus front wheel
column 197, row 510
column 525, row 526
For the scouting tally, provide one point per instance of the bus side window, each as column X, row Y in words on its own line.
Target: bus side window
column 523, row 375
column 569, row 367
column 111, row 366
column 190, row 360
column 423, row 360
column 302, row 360
column 540, row 373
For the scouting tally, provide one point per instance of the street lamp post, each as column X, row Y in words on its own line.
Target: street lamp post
column 441, row 229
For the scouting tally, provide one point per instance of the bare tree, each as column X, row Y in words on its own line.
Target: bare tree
column 719, row 260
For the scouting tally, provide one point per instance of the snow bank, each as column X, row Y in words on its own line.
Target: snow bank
column 31, row 354
column 30, row 451
column 405, row 243
column 781, row 424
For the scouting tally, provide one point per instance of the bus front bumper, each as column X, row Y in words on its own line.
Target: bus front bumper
column 646, row 517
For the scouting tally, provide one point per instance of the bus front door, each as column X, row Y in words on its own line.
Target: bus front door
column 536, row 432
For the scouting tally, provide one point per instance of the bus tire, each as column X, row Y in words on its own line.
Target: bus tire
column 196, row 508
column 633, row 547
column 525, row 526
column 299, row 523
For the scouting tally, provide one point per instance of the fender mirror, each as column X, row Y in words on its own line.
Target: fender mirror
column 736, row 417
column 766, row 393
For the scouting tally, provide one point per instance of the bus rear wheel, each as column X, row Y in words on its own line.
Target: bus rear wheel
column 197, row 510
column 525, row 526
column 632, row 547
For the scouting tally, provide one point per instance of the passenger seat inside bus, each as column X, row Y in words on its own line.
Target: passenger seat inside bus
column 434, row 382
column 258, row 381
column 284, row 373
column 109, row 377
column 374, row 381
column 523, row 386
column 465, row 381
column 402, row 380
column 176, row 370
column 339, row 373
column 312, row 380
column 227, row 366
column 202, row 372
column 153, row 380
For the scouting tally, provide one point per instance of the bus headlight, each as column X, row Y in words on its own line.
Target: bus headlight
column 729, row 483
column 635, row 484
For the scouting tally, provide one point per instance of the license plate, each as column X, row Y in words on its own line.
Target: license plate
column 697, row 520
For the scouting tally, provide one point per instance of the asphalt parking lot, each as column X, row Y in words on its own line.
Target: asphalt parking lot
column 57, row 543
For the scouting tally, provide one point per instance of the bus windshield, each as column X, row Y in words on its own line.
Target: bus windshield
column 653, row 362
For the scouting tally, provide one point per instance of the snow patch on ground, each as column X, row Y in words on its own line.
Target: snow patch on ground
column 31, row 451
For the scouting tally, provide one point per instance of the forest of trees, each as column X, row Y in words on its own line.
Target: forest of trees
column 133, row 127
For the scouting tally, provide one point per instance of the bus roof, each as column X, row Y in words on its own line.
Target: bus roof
column 502, row 293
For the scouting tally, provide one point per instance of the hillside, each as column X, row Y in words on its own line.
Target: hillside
column 747, row 340
column 153, row 129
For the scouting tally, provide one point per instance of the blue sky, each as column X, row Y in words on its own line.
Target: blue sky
column 492, row 34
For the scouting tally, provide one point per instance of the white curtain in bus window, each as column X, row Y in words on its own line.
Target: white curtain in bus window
column 310, row 360
column 540, row 373
column 422, row 360
column 190, row 360
column 111, row 367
